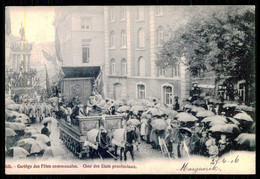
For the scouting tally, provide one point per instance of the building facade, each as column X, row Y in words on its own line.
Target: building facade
column 123, row 40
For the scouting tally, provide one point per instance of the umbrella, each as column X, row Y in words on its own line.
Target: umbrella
column 22, row 120
column 48, row 119
column 30, row 133
column 13, row 107
column 9, row 101
column 123, row 109
column 243, row 116
column 185, row 129
column 155, row 111
column 217, row 128
column 199, row 102
column 134, row 121
column 12, row 113
column 34, row 146
column 138, row 108
column 204, row 113
column 231, row 128
column 186, row 117
column 172, row 114
column 24, row 141
column 207, row 97
column 15, row 126
column 189, row 106
column 246, row 139
column 18, row 152
column 215, row 101
column 162, row 106
column 48, row 153
column 9, row 132
column 214, row 118
column 91, row 135
column 245, row 108
column 219, row 122
column 234, row 121
column 41, row 137
column 159, row 124
column 228, row 105
column 197, row 109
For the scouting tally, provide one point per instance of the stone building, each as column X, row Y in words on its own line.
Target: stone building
column 123, row 40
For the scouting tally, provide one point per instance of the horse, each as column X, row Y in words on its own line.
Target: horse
column 125, row 138
column 99, row 142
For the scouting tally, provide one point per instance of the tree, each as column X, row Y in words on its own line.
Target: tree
column 220, row 42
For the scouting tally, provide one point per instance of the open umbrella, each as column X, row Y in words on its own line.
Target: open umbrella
column 245, row 108
column 18, row 152
column 155, row 111
column 246, row 139
column 199, row 102
column 123, row 109
column 48, row 153
column 22, row 120
column 197, row 109
column 15, row 126
column 161, row 105
column 48, row 120
column 243, row 116
column 172, row 114
column 41, row 137
column 231, row 128
column 185, row 129
column 234, row 121
column 219, row 122
column 207, row 97
column 188, row 106
column 34, row 146
column 159, row 124
column 217, row 128
column 186, row 117
column 8, row 102
column 214, row 118
column 15, row 107
column 215, row 101
column 22, row 142
column 204, row 113
column 30, row 133
column 228, row 105
column 9, row 132
column 10, row 113
column 134, row 121
column 138, row 108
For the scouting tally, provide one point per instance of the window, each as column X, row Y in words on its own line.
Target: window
column 123, row 38
column 123, row 67
column 141, row 38
column 160, row 36
column 85, row 51
column 177, row 70
column 112, row 39
column 112, row 67
column 161, row 72
column 167, row 94
column 141, row 91
column 112, row 14
column 140, row 13
column 122, row 13
column 85, row 23
column 141, row 67
column 159, row 10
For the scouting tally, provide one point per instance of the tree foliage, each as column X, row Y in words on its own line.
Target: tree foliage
column 222, row 42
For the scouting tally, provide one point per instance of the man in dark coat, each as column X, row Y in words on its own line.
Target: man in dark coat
column 45, row 130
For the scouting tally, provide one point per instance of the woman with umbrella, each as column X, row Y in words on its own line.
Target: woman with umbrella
column 45, row 130
column 185, row 143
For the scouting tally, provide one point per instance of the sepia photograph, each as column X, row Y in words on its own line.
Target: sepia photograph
column 130, row 90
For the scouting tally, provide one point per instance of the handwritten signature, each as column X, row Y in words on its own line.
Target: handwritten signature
column 214, row 165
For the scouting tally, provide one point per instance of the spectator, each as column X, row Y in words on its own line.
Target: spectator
column 45, row 130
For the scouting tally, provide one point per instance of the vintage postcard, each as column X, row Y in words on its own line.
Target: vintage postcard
column 130, row 90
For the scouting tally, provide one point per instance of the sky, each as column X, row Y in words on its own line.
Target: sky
column 37, row 22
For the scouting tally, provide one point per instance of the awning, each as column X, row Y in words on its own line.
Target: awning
column 81, row 72
column 206, row 86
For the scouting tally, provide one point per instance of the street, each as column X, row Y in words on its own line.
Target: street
column 62, row 153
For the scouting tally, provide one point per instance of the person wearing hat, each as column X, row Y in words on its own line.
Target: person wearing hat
column 45, row 130
column 202, row 143
column 32, row 115
column 185, row 145
column 195, row 139
column 81, row 109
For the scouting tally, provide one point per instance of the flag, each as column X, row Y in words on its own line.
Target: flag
column 7, row 21
column 48, row 87
column 57, row 45
column 48, row 56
